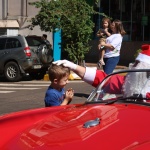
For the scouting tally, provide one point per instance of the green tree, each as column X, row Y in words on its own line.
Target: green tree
column 73, row 17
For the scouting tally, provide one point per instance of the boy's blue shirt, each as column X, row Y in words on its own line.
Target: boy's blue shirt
column 54, row 97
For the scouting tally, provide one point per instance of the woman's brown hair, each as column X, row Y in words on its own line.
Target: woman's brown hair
column 119, row 27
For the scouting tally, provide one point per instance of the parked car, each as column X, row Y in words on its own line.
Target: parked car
column 23, row 54
column 106, row 120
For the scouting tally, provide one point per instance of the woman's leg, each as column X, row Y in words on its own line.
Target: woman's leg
column 110, row 64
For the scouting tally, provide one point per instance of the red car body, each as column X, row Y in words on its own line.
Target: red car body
column 113, row 124
column 122, row 126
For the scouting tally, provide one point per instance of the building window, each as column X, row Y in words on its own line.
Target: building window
column 12, row 43
column 3, row 31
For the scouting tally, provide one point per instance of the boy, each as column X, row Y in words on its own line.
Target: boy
column 55, row 94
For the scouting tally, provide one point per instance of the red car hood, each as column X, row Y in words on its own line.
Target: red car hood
column 121, row 126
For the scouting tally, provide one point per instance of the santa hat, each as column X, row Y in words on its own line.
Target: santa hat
column 144, row 55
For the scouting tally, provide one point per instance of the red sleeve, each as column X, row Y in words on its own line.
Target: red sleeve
column 100, row 75
column 148, row 95
column 115, row 84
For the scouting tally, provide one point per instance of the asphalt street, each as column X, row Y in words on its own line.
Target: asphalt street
column 29, row 94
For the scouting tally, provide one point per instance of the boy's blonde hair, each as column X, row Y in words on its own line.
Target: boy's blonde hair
column 57, row 72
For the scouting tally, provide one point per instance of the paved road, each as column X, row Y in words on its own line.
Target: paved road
column 16, row 96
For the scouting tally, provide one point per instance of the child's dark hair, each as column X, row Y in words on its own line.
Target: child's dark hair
column 107, row 19
column 57, row 72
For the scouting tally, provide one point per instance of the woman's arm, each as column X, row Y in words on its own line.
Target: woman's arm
column 109, row 46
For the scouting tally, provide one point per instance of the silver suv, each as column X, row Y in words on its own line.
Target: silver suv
column 24, row 54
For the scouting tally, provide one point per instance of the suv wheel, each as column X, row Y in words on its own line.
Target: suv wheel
column 12, row 72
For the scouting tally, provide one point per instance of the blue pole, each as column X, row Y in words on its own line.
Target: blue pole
column 56, row 45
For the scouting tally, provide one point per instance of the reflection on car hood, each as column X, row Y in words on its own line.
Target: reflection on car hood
column 63, row 128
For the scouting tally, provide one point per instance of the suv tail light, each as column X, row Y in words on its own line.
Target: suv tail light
column 27, row 51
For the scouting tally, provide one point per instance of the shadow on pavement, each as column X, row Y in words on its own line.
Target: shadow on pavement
column 81, row 95
column 24, row 78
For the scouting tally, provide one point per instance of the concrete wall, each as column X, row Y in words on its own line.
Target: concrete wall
column 22, row 12
column 127, row 53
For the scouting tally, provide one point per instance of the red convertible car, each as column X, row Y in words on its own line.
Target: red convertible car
column 108, row 120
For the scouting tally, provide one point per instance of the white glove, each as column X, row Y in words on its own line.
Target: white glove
column 66, row 63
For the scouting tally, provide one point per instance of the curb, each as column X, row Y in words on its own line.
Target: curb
column 46, row 77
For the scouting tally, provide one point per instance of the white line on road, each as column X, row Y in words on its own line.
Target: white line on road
column 24, row 84
column 32, row 83
column 6, row 88
column 48, row 82
column 6, row 91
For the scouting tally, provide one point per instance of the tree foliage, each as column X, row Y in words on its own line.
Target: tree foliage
column 73, row 17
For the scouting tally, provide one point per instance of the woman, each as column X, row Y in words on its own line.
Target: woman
column 113, row 46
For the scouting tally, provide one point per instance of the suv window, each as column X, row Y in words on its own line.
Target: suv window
column 12, row 43
column 34, row 41
column 2, row 43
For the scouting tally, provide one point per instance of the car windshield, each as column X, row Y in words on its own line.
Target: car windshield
column 126, row 85
column 34, row 40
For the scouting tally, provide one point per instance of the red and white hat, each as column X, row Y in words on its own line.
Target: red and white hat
column 144, row 55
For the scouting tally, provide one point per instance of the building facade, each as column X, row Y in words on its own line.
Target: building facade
column 15, row 18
